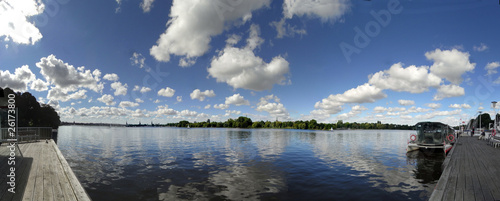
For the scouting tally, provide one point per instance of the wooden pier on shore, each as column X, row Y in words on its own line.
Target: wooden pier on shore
column 471, row 172
column 42, row 174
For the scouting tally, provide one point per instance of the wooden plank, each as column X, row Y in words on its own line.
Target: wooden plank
column 57, row 178
column 4, row 170
column 441, row 186
column 459, row 192
column 48, row 178
column 67, row 190
column 78, row 189
column 488, row 172
column 47, row 171
column 481, row 190
column 449, row 192
column 25, row 171
column 22, row 179
column 48, row 188
column 38, row 191
column 469, row 188
column 30, row 186
column 58, row 194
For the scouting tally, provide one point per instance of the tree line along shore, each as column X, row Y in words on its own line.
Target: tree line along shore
column 245, row 122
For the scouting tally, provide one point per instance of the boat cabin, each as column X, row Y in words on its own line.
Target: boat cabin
column 432, row 133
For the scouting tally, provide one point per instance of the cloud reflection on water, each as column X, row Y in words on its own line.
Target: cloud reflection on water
column 171, row 163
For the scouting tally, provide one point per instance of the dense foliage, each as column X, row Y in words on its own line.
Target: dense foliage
column 31, row 113
column 245, row 122
column 485, row 120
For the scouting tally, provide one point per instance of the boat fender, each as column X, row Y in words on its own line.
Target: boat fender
column 450, row 138
column 413, row 137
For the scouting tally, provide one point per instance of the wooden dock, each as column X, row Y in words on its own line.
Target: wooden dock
column 42, row 174
column 471, row 172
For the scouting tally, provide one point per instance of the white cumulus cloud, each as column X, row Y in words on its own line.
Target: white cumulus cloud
column 241, row 68
column 107, row 99
column 411, row 79
column 19, row 80
column 167, row 92
column 275, row 109
column 355, row 111
column 221, row 106
column 138, row 60
column 120, row 89
column 141, row 89
column 67, row 77
column 379, row 109
column 492, row 67
column 433, row 105
column 111, row 77
column 324, row 9
column 16, row 20
column 447, row 91
column 433, row 114
column 236, row 99
column 197, row 94
column 193, row 23
column 406, row 102
column 164, row 110
column 146, row 5
column 450, row 64
column 365, row 93
column 125, row 104
column 39, row 85
column 58, row 94
column 460, row 106
column 188, row 113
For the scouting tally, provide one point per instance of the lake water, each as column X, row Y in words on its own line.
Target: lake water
column 117, row 163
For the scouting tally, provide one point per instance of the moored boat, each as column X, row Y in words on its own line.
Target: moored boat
column 431, row 137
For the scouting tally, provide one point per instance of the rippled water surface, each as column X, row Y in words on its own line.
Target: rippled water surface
column 117, row 163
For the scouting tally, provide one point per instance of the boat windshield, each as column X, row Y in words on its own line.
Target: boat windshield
column 431, row 133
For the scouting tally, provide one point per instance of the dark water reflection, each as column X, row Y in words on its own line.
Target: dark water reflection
column 235, row 164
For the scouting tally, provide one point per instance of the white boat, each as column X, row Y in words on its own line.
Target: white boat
column 431, row 137
column 188, row 126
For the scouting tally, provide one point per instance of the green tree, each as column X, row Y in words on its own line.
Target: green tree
column 30, row 113
column 256, row 125
column 244, row 122
column 277, row 124
column 49, row 117
column 485, row 120
column 267, row 124
column 340, row 124
column 183, row 123
column 313, row 124
column 302, row 125
column 347, row 125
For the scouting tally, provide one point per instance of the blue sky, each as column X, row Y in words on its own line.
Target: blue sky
column 398, row 61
